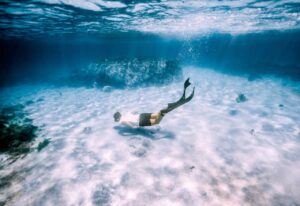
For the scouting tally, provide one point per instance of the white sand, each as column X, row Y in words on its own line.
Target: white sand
column 212, row 151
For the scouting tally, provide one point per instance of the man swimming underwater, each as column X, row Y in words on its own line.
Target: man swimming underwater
column 150, row 119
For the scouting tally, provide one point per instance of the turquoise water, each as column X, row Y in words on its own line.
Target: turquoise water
column 69, row 65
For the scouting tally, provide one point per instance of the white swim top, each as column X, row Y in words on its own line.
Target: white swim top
column 132, row 118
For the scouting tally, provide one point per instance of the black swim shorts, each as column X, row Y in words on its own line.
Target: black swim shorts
column 145, row 119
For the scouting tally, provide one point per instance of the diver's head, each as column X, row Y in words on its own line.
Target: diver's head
column 117, row 116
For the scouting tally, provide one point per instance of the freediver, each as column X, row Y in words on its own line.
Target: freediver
column 150, row 119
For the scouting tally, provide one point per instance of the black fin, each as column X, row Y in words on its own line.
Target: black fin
column 181, row 101
column 187, row 83
column 191, row 96
column 172, row 106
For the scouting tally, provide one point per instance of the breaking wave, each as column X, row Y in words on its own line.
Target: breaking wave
column 125, row 73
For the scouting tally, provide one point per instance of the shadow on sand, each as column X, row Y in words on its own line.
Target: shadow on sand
column 153, row 133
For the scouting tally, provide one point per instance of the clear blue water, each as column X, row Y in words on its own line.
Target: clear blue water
column 72, row 64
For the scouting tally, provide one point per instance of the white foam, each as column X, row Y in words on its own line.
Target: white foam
column 111, row 4
column 88, row 5
column 174, row 18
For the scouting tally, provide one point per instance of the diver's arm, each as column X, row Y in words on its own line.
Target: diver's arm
column 127, row 123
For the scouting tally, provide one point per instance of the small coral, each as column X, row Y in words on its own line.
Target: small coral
column 241, row 98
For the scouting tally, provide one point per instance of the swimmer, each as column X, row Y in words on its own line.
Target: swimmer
column 150, row 119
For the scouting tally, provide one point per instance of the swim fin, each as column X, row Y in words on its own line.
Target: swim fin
column 187, row 83
column 181, row 101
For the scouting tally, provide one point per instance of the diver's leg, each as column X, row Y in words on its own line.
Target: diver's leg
column 155, row 115
column 156, row 118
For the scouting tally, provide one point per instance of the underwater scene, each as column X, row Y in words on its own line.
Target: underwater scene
column 150, row 102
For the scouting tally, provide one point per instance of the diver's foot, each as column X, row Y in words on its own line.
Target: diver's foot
column 187, row 83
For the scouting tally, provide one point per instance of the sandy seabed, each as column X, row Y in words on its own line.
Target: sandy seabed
column 212, row 151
